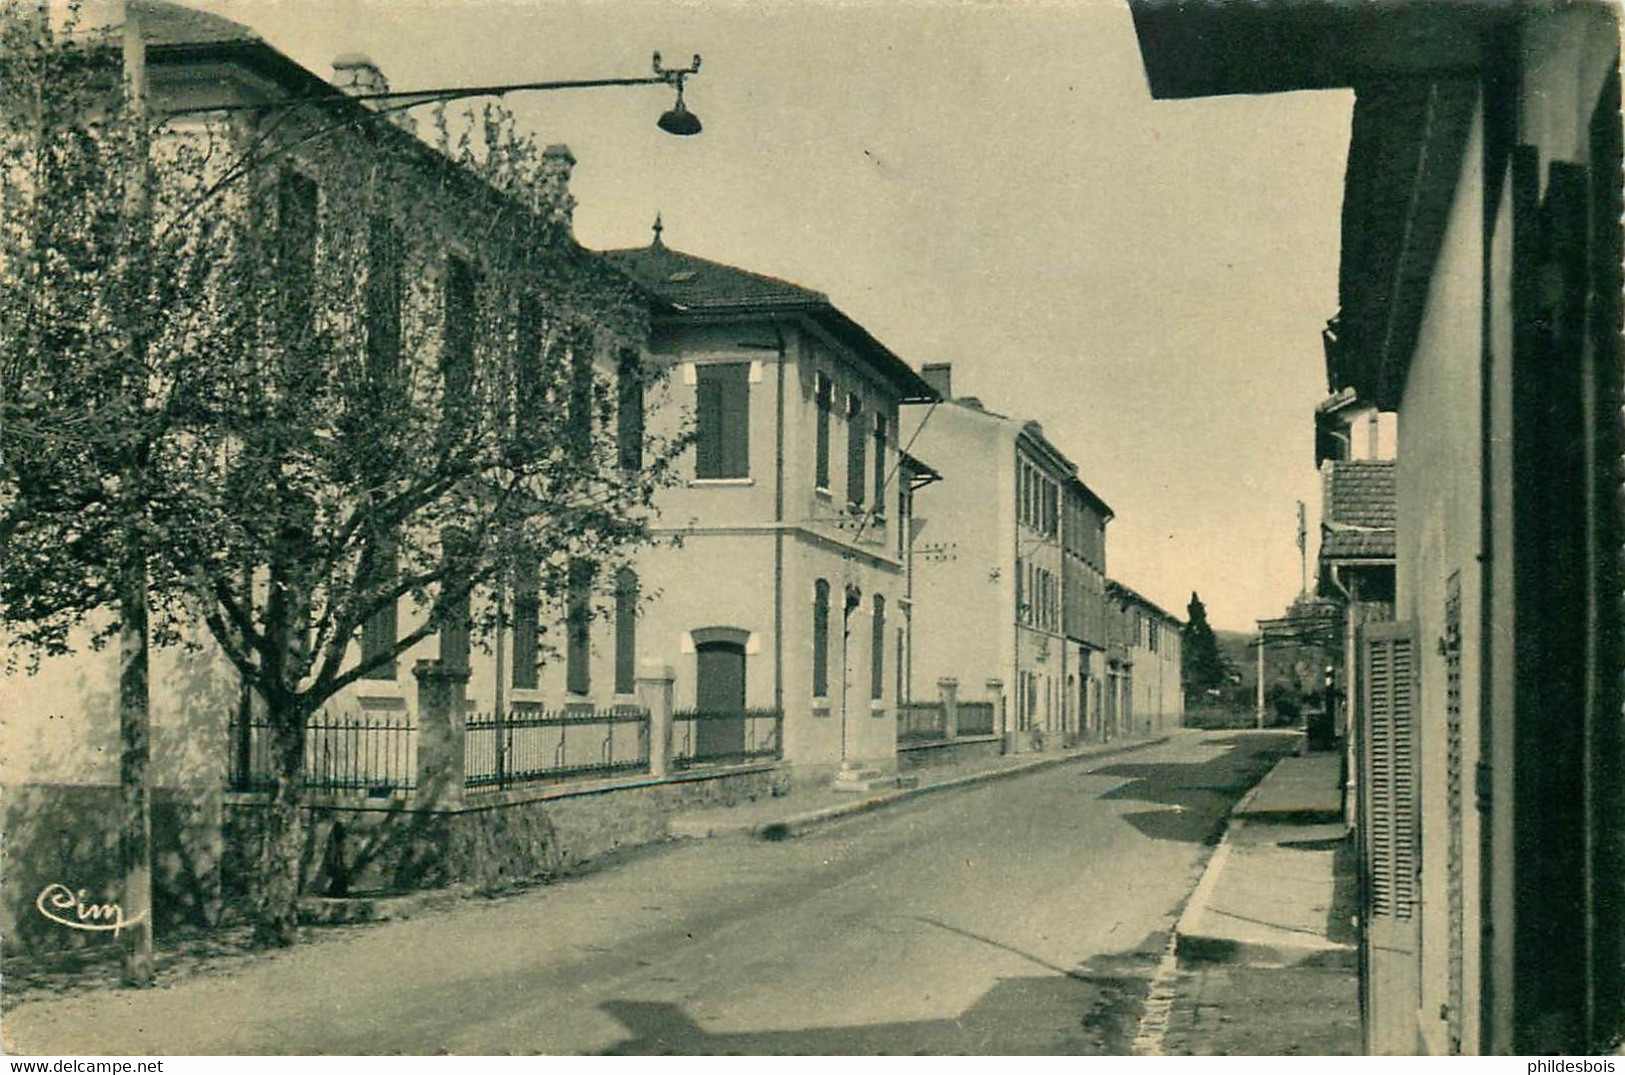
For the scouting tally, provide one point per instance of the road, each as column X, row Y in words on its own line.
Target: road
column 1021, row 916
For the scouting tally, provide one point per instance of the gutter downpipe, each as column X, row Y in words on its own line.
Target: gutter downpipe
column 778, row 528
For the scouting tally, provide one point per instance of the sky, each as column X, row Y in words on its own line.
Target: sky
column 988, row 184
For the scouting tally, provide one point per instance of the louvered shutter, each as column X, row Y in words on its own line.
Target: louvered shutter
column 1390, row 769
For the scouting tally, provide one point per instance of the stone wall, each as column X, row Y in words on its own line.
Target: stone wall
column 925, row 755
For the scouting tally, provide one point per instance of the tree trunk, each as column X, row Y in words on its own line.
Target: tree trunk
column 282, row 842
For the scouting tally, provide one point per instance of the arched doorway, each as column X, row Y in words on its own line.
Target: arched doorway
column 719, row 695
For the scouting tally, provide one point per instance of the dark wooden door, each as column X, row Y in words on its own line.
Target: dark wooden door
column 719, row 689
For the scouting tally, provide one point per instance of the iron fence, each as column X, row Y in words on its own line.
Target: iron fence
column 530, row 743
column 975, row 718
column 721, row 736
column 375, row 755
column 921, row 720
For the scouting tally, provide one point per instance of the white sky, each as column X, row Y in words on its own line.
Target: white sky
column 987, row 184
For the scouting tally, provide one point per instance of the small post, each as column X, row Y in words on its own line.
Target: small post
column 655, row 690
column 995, row 691
column 948, row 691
column 441, row 731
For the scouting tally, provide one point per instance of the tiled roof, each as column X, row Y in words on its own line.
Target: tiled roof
column 1358, row 518
column 166, row 23
column 695, row 283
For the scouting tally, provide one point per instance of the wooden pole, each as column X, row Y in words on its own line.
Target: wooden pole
column 1259, row 690
column 135, row 842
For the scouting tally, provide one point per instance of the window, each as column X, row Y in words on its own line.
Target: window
column 457, row 346
column 857, row 451
column 381, row 630
column 578, row 622
column 383, row 301
column 877, row 651
column 629, row 409
column 824, row 392
column 296, row 256
column 880, row 464
column 722, row 442
column 820, row 656
column 530, row 381
column 1021, row 591
column 580, row 405
column 527, row 616
column 626, row 631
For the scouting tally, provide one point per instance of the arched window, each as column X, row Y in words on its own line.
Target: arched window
column 877, row 651
column 820, row 656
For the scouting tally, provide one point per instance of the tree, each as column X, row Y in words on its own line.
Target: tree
column 1202, row 666
column 342, row 418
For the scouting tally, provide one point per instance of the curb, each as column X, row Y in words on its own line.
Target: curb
column 795, row 824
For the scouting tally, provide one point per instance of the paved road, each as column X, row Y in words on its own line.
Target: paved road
column 1022, row 916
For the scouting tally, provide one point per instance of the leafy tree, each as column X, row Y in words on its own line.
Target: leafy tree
column 340, row 418
column 1202, row 666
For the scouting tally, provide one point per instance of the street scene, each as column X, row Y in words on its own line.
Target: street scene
column 633, row 529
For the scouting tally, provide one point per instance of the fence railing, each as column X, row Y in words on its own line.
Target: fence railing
column 921, row 720
column 530, row 743
column 373, row 755
column 976, row 718
column 714, row 737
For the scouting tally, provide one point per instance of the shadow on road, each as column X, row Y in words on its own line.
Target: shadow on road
column 1091, row 1010
column 1200, row 794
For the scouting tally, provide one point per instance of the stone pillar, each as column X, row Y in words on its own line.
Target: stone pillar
column 441, row 731
column 948, row 691
column 995, row 692
column 655, row 693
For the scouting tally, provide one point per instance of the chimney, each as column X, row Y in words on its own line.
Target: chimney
column 558, row 206
column 355, row 74
column 940, row 376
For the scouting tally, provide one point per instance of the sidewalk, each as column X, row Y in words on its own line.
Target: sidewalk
column 777, row 819
column 1265, row 951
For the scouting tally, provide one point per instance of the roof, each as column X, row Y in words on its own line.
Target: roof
column 1358, row 517
column 166, row 23
column 689, row 282
column 692, row 285
column 1128, row 593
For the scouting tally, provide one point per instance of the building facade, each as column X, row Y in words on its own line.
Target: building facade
column 1480, row 300
column 1009, row 568
column 777, row 585
column 1146, row 652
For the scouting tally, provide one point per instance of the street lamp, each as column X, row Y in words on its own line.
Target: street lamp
column 678, row 120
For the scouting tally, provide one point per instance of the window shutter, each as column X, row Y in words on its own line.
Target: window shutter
column 722, row 433
column 1391, row 799
column 626, row 631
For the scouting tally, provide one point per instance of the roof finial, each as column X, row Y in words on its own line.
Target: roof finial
column 659, row 227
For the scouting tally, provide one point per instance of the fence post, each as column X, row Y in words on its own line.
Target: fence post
column 995, row 691
column 948, row 690
column 655, row 680
column 441, row 732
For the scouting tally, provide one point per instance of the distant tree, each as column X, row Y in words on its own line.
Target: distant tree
column 1202, row 666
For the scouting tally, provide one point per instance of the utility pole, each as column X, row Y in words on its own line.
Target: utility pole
column 1303, row 549
column 135, row 788
column 1259, row 688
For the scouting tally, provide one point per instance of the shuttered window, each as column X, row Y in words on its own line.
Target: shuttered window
column 626, row 631
column 526, row 626
column 1392, row 849
column 857, row 451
column 877, row 651
column 629, row 408
column 578, row 624
column 722, row 437
column 820, row 655
column 825, row 393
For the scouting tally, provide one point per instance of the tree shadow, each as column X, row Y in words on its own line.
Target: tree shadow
column 1092, row 1009
column 1200, row 794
